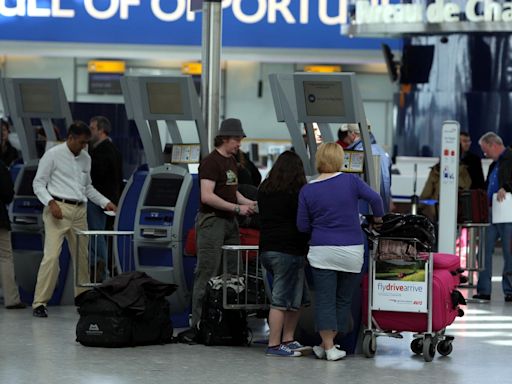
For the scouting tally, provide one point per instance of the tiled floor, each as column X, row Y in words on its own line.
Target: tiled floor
column 34, row 350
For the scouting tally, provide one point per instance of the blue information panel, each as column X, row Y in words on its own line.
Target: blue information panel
column 315, row 24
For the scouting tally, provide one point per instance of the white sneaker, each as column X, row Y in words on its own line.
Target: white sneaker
column 319, row 352
column 334, row 354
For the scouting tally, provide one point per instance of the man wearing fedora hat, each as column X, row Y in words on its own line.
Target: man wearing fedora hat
column 216, row 223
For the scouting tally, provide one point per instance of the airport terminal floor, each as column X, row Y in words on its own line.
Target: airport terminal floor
column 37, row 351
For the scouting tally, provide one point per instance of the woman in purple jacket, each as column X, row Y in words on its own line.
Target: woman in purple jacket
column 328, row 210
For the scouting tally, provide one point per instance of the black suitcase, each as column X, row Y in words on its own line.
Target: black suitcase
column 220, row 326
column 473, row 206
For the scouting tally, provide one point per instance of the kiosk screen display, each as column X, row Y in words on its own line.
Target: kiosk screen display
column 163, row 192
column 37, row 98
column 25, row 187
column 324, row 98
column 165, row 98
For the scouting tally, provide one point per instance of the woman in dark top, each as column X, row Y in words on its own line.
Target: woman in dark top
column 283, row 249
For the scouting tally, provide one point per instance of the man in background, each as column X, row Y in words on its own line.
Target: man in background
column 9, row 287
column 107, row 178
column 353, row 142
column 499, row 182
column 472, row 162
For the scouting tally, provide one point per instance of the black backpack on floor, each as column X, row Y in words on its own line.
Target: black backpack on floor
column 103, row 323
column 219, row 326
column 128, row 310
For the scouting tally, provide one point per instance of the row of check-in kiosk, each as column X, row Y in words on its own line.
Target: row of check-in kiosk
column 161, row 199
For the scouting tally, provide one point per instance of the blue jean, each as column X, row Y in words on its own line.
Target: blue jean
column 97, row 220
column 333, row 298
column 289, row 290
column 492, row 233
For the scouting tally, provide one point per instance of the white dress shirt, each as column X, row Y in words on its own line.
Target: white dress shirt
column 63, row 175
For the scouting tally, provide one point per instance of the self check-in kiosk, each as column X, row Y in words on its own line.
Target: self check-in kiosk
column 26, row 100
column 160, row 202
column 304, row 99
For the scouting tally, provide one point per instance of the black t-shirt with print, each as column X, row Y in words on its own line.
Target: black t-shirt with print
column 223, row 171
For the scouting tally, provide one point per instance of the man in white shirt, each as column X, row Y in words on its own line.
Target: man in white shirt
column 63, row 184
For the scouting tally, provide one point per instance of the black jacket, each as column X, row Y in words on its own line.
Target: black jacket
column 6, row 195
column 107, row 170
column 474, row 166
column 504, row 170
column 9, row 154
column 131, row 289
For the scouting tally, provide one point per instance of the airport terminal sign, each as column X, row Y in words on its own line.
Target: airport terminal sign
column 439, row 11
column 316, row 24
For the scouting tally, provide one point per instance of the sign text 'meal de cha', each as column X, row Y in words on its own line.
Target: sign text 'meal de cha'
column 440, row 11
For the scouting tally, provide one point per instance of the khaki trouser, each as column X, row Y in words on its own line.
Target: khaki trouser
column 74, row 218
column 9, row 287
column 212, row 233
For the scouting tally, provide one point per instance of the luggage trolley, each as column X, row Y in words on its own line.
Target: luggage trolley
column 241, row 268
column 402, row 251
column 123, row 256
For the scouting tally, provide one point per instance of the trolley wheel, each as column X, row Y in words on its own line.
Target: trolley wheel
column 417, row 346
column 429, row 348
column 445, row 347
column 369, row 344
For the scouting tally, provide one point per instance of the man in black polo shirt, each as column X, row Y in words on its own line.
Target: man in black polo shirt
column 216, row 222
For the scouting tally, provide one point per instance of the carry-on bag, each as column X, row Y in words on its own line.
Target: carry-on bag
column 220, row 326
column 128, row 310
column 473, row 206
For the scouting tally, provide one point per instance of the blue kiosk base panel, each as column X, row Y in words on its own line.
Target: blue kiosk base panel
column 26, row 267
column 154, row 256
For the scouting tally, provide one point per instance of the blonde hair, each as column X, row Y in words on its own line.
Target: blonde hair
column 329, row 158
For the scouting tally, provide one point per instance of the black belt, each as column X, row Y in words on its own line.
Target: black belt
column 67, row 201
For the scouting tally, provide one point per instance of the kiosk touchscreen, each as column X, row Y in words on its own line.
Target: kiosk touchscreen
column 333, row 99
column 25, row 100
column 304, row 99
column 160, row 201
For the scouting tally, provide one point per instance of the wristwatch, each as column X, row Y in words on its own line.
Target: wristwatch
column 237, row 209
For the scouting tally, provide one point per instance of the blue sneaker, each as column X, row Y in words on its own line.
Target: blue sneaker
column 298, row 347
column 283, row 351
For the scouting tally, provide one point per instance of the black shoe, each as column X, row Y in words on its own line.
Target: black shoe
column 188, row 336
column 40, row 311
column 508, row 298
column 17, row 306
column 481, row 296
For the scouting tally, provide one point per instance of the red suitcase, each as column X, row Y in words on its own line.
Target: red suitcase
column 444, row 310
column 473, row 206
column 449, row 262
